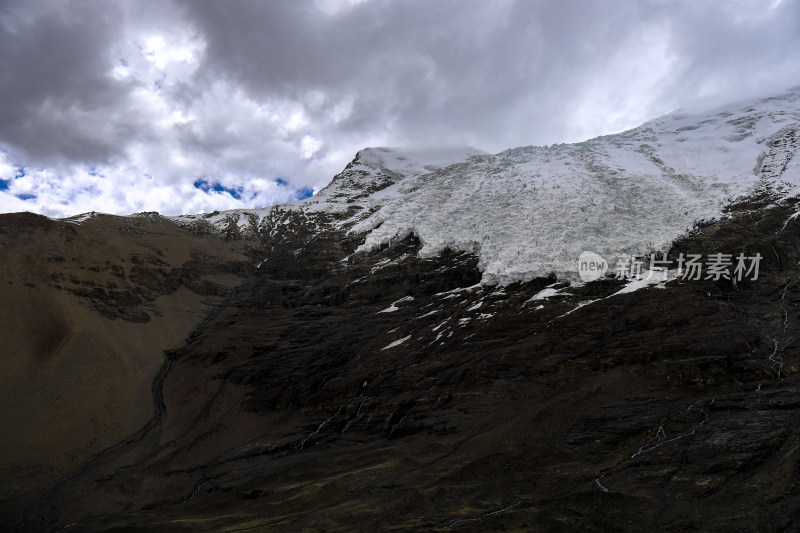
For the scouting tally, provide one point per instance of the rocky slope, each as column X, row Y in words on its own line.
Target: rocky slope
column 88, row 310
column 328, row 371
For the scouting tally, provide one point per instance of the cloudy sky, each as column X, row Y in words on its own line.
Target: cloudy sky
column 184, row 106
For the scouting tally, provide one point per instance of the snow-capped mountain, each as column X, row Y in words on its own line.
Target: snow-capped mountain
column 530, row 211
column 398, row 351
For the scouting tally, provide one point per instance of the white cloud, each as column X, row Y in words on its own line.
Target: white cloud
column 7, row 169
column 309, row 146
column 242, row 94
column 332, row 7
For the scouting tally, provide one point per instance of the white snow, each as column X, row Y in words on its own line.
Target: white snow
column 412, row 162
column 80, row 219
column 580, row 304
column 392, row 308
column 530, row 211
column 454, row 292
column 442, row 324
column 398, row 342
column 545, row 293
column 647, row 279
column 476, row 306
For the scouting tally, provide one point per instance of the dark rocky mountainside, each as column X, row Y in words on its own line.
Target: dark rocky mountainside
column 87, row 313
column 407, row 351
column 293, row 405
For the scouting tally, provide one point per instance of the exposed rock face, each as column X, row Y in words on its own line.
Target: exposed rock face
column 87, row 313
column 329, row 389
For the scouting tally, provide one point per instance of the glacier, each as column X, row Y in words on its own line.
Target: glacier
column 529, row 212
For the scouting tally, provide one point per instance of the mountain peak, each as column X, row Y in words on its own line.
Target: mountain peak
column 186, row 378
column 529, row 212
column 412, row 161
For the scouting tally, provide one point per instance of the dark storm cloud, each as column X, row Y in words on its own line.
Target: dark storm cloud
column 500, row 73
column 241, row 91
column 53, row 87
column 743, row 49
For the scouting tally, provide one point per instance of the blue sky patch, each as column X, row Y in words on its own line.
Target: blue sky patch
column 208, row 187
column 26, row 196
column 300, row 194
column 304, row 193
